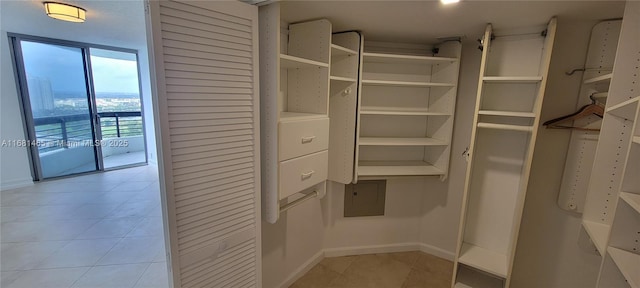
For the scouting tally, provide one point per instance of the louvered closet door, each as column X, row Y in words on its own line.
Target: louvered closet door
column 206, row 73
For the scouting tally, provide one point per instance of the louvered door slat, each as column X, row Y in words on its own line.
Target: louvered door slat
column 191, row 190
column 196, row 228
column 207, row 83
column 195, row 10
column 205, row 69
column 206, row 76
column 222, row 54
column 182, row 161
column 178, row 59
column 205, row 116
column 238, row 266
column 205, row 239
column 236, row 167
column 234, row 52
column 205, row 123
column 234, row 254
column 207, row 139
column 187, row 154
column 186, row 202
column 205, row 56
column 195, row 35
column 235, row 163
column 216, row 206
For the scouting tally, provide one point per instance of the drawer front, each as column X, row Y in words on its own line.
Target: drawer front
column 303, row 172
column 298, row 138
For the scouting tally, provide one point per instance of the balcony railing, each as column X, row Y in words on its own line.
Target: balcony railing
column 59, row 132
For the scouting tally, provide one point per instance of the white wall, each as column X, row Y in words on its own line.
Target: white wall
column 112, row 23
column 399, row 225
column 15, row 170
column 291, row 243
column 549, row 252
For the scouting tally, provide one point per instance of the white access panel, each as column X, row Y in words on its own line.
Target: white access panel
column 205, row 59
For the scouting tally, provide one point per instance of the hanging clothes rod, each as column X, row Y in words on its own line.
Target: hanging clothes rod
column 298, row 201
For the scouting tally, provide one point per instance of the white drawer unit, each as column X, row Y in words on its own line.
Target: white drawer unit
column 303, row 172
column 294, row 110
column 302, row 137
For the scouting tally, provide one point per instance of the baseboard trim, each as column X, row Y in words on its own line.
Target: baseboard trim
column 360, row 250
column 439, row 252
column 303, row 269
column 14, row 184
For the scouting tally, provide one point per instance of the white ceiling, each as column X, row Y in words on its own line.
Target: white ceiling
column 422, row 21
column 121, row 22
column 114, row 23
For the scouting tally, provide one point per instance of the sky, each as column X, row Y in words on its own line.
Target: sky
column 63, row 66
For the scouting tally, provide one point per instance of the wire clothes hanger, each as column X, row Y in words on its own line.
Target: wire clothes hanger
column 592, row 109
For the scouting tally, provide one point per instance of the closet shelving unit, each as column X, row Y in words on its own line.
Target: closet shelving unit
column 345, row 70
column 511, row 88
column 613, row 198
column 595, row 87
column 294, row 88
column 405, row 115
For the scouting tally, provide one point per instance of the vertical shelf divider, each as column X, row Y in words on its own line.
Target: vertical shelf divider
column 491, row 213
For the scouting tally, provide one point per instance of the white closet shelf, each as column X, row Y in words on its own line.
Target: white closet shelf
column 510, row 127
column 507, row 113
column 628, row 264
column 337, row 50
column 342, row 79
column 388, row 141
column 632, row 199
column 374, row 110
column 288, row 62
column 405, row 83
column 483, row 259
column 405, row 59
column 512, row 79
column 397, row 168
column 598, row 233
column 296, row 116
column 636, row 139
column 599, row 80
column 626, row 109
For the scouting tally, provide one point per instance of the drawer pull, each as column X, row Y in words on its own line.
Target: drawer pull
column 307, row 175
column 308, row 139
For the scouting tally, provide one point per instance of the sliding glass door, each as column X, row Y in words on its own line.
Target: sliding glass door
column 119, row 110
column 81, row 105
column 62, row 133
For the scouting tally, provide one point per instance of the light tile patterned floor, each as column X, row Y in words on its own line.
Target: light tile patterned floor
column 98, row 230
column 392, row 270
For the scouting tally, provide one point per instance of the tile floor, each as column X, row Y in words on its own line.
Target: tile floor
column 392, row 270
column 99, row 230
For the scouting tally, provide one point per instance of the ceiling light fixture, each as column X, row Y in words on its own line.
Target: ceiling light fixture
column 445, row 2
column 65, row 12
